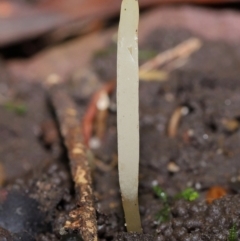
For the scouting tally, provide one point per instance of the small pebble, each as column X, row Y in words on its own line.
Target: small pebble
column 173, row 167
column 205, row 136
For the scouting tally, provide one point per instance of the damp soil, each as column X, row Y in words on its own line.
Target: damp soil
column 37, row 190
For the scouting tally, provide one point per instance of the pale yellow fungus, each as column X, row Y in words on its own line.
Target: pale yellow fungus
column 127, row 112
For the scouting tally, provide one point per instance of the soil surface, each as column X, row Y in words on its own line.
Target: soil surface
column 37, row 190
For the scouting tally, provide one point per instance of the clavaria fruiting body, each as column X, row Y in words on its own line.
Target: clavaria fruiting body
column 128, row 113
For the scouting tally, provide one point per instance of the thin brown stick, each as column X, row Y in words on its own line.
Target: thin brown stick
column 83, row 218
column 183, row 50
column 174, row 122
column 91, row 112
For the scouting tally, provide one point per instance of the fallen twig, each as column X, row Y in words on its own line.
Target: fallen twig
column 83, row 218
column 171, row 56
column 175, row 120
column 183, row 50
column 92, row 110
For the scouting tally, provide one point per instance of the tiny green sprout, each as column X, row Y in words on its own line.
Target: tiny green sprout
column 232, row 236
column 189, row 194
column 160, row 193
column 164, row 214
column 18, row 108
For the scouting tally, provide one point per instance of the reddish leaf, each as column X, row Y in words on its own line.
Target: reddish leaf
column 215, row 192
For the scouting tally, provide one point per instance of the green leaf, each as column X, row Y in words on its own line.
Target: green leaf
column 189, row 194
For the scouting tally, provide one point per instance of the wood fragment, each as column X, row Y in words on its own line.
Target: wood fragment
column 5, row 235
column 230, row 125
column 102, row 115
column 101, row 123
column 174, row 122
column 106, row 167
column 83, row 218
column 153, row 75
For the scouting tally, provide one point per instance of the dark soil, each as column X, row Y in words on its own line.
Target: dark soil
column 38, row 192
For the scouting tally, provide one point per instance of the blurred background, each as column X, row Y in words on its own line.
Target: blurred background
column 74, row 42
column 30, row 27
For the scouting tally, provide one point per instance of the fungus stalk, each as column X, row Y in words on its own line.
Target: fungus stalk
column 127, row 112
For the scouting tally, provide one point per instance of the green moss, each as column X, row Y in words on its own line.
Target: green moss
column 158, row 191
column 189, row 194
column 164, row 214
column 233, row 236
column 18, row 108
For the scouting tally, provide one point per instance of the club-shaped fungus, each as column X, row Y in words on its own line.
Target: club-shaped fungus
column 128, row 113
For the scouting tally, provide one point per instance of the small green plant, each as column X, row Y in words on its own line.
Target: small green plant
column 233, row 236
column 164, row 214
column 160, row 193
column 189, row 194
column 18, row 108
